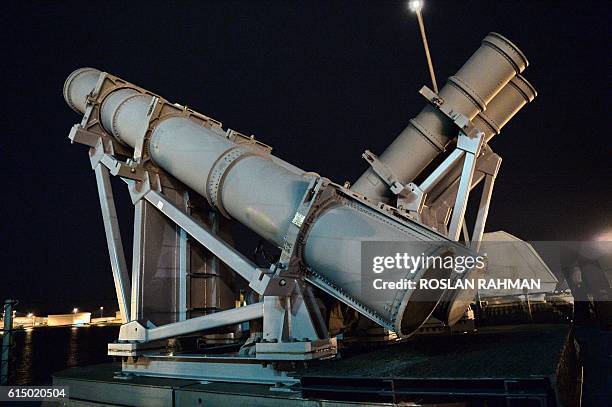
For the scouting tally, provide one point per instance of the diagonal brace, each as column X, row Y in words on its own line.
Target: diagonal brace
column 113, row 240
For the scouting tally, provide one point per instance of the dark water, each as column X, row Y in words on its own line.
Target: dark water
column 39, row 352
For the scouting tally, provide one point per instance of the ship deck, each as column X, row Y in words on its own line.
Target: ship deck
column 534, row 363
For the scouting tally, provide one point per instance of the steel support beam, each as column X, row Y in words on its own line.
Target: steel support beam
column 463, row 193
column 442, row 170
column 113, row 240
column 471, row 146
column 211, row 368
column 490, row 173
column 137, row 260
column 134, row 331
column 184, row 260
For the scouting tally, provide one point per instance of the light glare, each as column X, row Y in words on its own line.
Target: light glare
column 415, row 5
column 604, row 237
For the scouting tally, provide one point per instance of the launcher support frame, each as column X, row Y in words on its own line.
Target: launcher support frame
column 160, row 181
column 476, row 161
column 293, row 328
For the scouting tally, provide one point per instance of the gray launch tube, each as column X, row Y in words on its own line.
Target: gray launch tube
column 516, row 94
column 256, row 192
column 78, row 85
column 263, row 193
column 468, row 92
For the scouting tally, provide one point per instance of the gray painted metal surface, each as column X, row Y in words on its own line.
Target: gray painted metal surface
column 156, row 264
column 218, row 369
column 134, row 331
column 194, row 155
column 516, row 94
column 105, row 393
column 230, row 176
column 234, row 259
column 97, row 386
column 113, row 241
column 177, row 158
column 137, row 260
column 469, row 91
column 78, row 85
column 324, row 228
column 511, row 256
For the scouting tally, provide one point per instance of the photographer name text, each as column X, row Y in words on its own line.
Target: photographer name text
column 458, row 284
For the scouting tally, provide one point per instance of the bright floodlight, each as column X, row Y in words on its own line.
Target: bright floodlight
column 415, row 5
column 75, row 310
column 30, row 315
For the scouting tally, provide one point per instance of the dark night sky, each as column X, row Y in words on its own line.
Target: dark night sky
column 319, row 81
